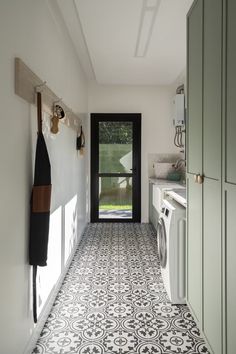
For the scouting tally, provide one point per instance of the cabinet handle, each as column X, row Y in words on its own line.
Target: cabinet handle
column 195, row 177
column 200, row 179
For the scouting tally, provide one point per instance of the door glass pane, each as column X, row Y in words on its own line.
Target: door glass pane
column 115, row 147
column 115, row 197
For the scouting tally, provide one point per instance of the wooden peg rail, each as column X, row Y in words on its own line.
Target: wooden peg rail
column 26, row 82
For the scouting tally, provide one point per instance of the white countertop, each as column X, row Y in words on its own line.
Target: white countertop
column 173, row 184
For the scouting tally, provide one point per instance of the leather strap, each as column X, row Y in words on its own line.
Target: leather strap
column 41, row 199
column 35, row 293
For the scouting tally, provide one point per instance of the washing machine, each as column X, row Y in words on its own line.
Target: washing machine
column 171, row 248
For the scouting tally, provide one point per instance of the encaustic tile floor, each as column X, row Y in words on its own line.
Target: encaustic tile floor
column 113, row 300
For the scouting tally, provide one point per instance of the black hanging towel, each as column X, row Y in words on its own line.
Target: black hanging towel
column 40, row 206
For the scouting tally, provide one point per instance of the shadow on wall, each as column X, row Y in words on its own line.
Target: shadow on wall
column 62, row 240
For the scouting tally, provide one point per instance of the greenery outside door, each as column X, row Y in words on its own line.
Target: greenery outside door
column 115, row 167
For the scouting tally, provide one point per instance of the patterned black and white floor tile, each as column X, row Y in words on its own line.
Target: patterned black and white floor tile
column 113, row 300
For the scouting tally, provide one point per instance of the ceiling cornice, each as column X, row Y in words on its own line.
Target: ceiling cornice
column 70, row 14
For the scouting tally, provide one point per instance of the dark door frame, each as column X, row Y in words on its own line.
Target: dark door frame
column 135, row 174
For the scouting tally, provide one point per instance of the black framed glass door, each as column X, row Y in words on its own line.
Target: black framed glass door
column 115, row 167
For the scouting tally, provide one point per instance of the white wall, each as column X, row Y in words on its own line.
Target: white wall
column 155, row 104
column 33, row 30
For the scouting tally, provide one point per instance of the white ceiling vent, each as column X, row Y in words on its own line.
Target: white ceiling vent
column 147, row 21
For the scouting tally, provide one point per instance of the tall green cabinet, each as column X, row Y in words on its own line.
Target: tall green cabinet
column 229, row 176
column 194, row 160
column 211, row 171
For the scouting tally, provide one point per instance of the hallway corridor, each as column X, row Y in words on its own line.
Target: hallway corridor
column 113, row 300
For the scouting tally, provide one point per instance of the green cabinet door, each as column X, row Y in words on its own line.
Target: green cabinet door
column 231, row 93
column 212, row 264
column 212, row 77
column 194, row 247
column 194, row 84
column 212, row 111
column 230, row 176
column 231, row 268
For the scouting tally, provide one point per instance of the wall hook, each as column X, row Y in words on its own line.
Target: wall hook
column 40, row 87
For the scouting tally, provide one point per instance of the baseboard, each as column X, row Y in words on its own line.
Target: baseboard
column 50, row 301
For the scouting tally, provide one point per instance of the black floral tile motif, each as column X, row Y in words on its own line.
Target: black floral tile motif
column 113, row 300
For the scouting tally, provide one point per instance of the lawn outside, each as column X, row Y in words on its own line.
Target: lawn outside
column 115, row 207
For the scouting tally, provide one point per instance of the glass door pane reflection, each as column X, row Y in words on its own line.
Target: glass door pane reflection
column 115, row 197
column 115, row 147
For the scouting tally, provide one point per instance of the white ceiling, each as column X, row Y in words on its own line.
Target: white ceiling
column 108, row 34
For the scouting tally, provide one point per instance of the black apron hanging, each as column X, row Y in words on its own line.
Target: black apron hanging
column 40, row 206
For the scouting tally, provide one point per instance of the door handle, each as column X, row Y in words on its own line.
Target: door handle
column 133, row 169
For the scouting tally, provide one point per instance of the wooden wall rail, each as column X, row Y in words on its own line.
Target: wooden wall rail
column 26, row 82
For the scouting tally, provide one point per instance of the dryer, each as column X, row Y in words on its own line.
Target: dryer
column 171, row 249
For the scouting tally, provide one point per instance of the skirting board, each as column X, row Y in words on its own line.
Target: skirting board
column 50, row 301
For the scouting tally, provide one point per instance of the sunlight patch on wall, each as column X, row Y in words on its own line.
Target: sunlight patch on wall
column 70, row 226
column 48, row 276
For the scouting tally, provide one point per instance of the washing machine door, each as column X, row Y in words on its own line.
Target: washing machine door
column 162, row 244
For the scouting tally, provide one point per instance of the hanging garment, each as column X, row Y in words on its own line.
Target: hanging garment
column 40, row 207
column 80, row 141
